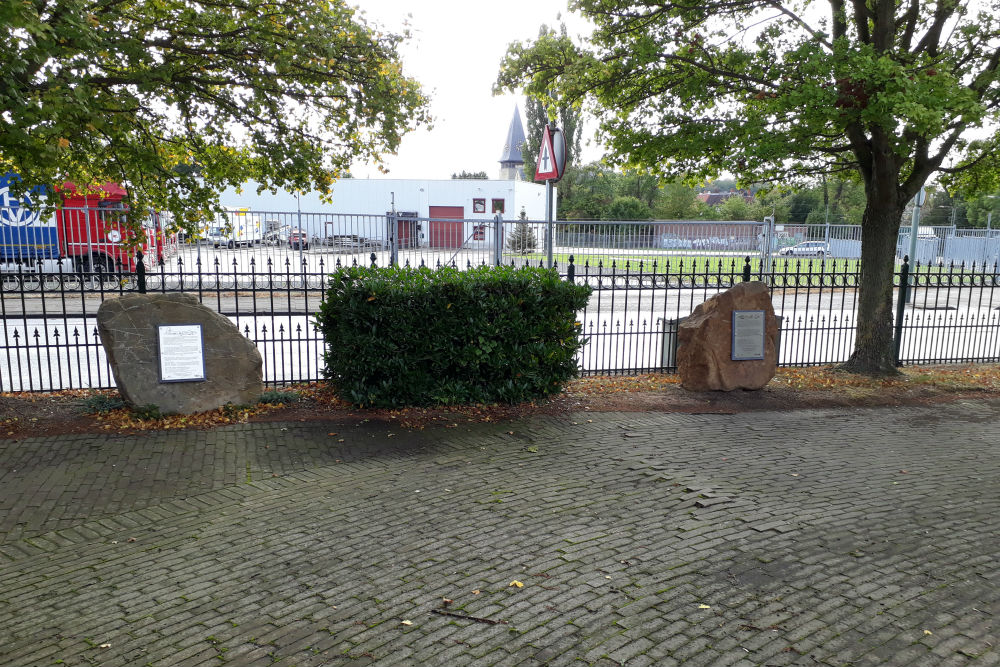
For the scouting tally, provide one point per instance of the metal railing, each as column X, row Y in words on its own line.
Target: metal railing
column 50, row 341
column 946, row 314
column 81, row 240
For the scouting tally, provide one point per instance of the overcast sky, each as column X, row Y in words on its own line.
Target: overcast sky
column 455, row 54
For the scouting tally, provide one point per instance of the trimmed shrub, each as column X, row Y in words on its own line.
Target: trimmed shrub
column 401, row 336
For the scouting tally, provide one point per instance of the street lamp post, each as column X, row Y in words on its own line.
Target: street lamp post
column 918, row 201
column 826, row 235
column 298, row 220
column 989, row 214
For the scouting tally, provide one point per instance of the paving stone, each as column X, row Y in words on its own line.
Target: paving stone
column 321, row 565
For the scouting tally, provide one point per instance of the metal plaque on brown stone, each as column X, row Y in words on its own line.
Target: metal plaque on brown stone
column 181, row 349
column 748, row 335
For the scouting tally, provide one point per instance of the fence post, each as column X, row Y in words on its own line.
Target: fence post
column 393, row 238
column 901, row 299
column 140, row 272
column 498, row 239
column 746, row 269
column 571, row 270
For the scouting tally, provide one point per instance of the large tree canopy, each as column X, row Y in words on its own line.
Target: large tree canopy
column 177, row 100
column 893, row 91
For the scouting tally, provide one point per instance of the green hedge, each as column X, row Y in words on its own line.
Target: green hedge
column 402, row 336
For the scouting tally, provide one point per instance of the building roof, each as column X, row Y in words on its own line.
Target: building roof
column 714, row 198
column 515, row 139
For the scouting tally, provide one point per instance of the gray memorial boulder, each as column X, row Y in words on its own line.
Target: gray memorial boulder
column 130, row 332
column 705, row 341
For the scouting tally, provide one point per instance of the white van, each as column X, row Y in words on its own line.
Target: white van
column 238, row 227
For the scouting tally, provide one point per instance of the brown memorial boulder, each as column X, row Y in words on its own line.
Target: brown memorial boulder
column 170, row 351
column 711, row 358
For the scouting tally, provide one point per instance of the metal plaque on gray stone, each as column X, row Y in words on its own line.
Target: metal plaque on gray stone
column 182, row 356
column 748, row 335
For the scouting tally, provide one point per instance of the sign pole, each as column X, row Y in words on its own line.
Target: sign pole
column 550, row 164
column 498, row 239
column 548, row 224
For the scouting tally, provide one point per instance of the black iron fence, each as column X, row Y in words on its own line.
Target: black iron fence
column 945, row 313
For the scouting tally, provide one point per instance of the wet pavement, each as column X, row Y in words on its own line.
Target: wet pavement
column 810, row 537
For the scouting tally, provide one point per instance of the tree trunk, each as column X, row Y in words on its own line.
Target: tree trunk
column 873, row 348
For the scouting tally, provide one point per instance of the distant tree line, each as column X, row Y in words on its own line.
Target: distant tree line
column 597, row 192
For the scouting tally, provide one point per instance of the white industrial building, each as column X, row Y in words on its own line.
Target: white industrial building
column 433, row 213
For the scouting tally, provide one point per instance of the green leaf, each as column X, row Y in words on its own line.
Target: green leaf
column 178, row 101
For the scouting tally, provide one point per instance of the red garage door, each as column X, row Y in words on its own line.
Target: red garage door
column 445, row 233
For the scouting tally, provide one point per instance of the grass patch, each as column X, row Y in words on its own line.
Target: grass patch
column 149, row 412
column 101, row 404
column 634, row 260
column 279, row 397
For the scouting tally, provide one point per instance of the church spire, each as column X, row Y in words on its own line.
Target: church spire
column 512, row 162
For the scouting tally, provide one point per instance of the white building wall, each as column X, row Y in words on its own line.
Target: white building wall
column 531, row 196
column 364, row 197
column 375, row 197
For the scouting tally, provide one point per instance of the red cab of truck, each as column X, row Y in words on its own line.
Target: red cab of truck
column 93, row 230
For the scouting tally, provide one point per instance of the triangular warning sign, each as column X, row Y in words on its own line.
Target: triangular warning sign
column 546, row 168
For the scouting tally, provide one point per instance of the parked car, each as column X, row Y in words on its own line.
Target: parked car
column 807, row 249
column 298, row 238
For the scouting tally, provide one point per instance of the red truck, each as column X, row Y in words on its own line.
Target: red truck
column 89, row 230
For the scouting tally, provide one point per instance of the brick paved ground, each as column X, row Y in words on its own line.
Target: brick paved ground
column 835, row 537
